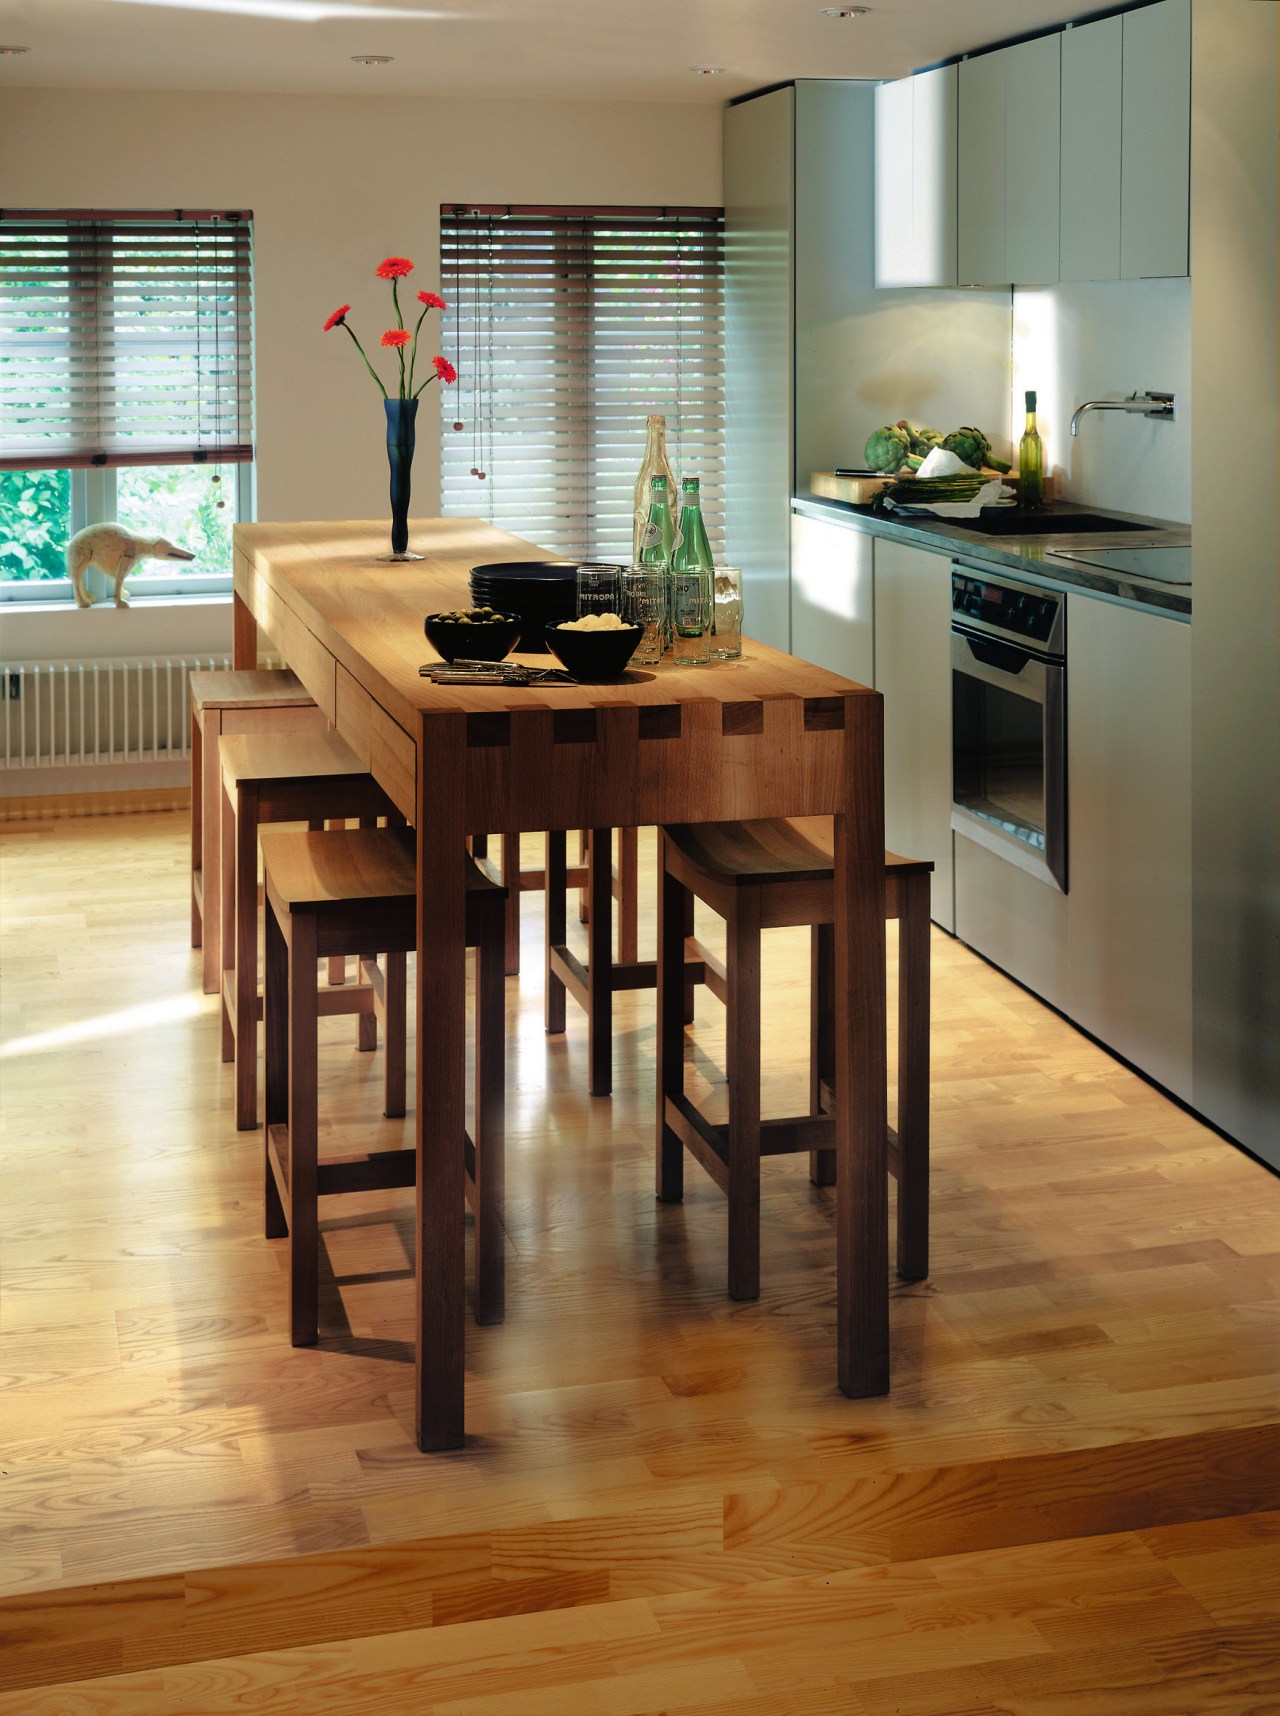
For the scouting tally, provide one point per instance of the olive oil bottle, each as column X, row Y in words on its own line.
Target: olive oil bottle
column 1031, row 463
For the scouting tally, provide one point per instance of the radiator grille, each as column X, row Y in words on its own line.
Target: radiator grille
column 71, row 714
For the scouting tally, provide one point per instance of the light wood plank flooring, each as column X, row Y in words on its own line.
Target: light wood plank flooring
column 1069, row 1503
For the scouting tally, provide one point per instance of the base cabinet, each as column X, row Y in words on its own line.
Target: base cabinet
column 831, row 598
column 1129, row 785
column 913, row 674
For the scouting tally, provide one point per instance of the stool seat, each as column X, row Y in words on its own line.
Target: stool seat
column 757, row 875
column 307, row 776
column 335, row 893
column 225, row 700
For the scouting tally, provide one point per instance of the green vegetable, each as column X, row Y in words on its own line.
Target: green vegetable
column 923, row 441
column 972, row 446
column 887, row 448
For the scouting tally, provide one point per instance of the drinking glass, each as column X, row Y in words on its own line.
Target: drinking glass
column 644, row 600
column 599, row 589
column 690, row 594
column 726, row 587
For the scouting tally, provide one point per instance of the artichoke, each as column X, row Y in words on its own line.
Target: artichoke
column 887, row 448
column 923, row 441
column 972, row 446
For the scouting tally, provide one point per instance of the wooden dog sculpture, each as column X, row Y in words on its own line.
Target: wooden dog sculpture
column 115, row 551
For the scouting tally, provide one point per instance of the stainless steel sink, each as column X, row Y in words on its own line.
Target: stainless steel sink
column 1009, row 521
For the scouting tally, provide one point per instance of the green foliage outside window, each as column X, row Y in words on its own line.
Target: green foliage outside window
column 35, row 524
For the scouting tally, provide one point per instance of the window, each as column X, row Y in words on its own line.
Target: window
column 125, row 390
column 568, row 327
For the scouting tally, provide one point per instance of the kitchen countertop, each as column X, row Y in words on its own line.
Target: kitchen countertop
column 1029, row 555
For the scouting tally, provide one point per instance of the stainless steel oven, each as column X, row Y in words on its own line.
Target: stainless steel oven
column 1008, row 729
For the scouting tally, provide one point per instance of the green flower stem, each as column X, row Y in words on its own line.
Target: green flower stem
column 395, row 299
column 413, row 353
column 372, row 371
column 400, row 355
column 427, row 383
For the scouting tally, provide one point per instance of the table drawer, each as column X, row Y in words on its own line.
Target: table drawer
column 306, row 655
column 381, row 744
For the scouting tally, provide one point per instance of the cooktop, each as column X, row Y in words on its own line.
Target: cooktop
column 1163, row 565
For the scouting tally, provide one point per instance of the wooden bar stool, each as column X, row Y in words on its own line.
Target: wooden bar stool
column 517, row 881
column 272, row 700
column 594, row 983
column 275, row 777
column 772, row 874
column 336, row 893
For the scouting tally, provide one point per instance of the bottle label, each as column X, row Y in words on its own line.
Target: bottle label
column 651, row 535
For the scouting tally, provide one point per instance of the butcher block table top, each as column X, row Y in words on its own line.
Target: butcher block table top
column 764, row 736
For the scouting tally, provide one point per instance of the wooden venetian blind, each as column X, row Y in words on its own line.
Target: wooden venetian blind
column 568, row 328
column 125, row 339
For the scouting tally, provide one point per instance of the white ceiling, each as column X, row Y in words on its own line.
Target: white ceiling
column 565, row 49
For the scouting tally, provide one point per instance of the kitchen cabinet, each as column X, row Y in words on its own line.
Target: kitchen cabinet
column 1089, row 222
column 1155, row 148
column 915, row 179
column 1129, row 785
column 831, row 598
column 1007, row 157
column 913, row 674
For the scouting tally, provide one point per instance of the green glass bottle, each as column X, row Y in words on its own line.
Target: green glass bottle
column 657, row 544
column 1031, row 463
column 693, row 551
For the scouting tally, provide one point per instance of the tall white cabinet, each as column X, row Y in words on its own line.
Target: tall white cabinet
column 1089, row 228
column 1155, row 150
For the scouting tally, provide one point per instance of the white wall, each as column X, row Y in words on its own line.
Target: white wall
column 865, row 357
column 1102, row 340
column 335, row 184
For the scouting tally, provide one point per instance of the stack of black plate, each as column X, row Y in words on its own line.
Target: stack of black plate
column 542, row 592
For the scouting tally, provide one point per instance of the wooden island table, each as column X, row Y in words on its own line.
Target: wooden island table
column 764, row 736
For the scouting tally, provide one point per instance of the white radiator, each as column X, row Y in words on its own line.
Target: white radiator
column 70, row 726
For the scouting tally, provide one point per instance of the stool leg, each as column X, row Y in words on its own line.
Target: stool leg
column 479, row 844
column 600, row 962
column 395, row 989
column 197, row 827
column 913, row 1080
column 511, row 882
column 304, row 1210
column 226, row 918
column 275, row 1077
column 670, row 1033
column 246, row 945
column 584, row 893
column 490, row 1108
column 689, row 988
column 628, row 895
column 366, row 1023
column 338, row 964
column 211, row 851
column 742, row 1034
column 556, row 889
column 822, row 1043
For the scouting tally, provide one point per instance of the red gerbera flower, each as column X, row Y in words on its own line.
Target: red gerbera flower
column 393, row 268
column 339, row 315
column 432, row 300
column 396, row 337
column 445, row 370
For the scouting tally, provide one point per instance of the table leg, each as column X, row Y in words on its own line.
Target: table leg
column 441, row 1089
column 862, row 1194
column 244, row 634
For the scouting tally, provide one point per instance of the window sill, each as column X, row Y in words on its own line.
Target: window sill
column 15, row 604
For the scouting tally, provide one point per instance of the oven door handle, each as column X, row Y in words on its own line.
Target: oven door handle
column 1001, row 664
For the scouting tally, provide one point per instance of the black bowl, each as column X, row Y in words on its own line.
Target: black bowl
column 591, row 656
column 471, row 640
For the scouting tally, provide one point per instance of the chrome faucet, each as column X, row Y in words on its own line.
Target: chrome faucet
column 1149, row 404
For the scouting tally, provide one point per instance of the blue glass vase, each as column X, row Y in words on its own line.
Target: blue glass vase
column 401, row 418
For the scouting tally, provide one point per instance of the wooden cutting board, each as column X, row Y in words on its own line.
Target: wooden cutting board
column 857, row 491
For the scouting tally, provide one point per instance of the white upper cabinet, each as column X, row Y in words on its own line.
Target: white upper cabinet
column 1156, row 140
column 1032, row 102
column 1090, row 179
column 915, row 180
column 980, row 234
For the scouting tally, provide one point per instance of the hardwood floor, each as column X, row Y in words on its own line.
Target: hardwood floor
column 1070, row 1502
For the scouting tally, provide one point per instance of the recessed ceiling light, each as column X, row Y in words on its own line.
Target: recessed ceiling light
column 7, row 53
column 845, row 11
column 707, row 71
column 373, row 59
